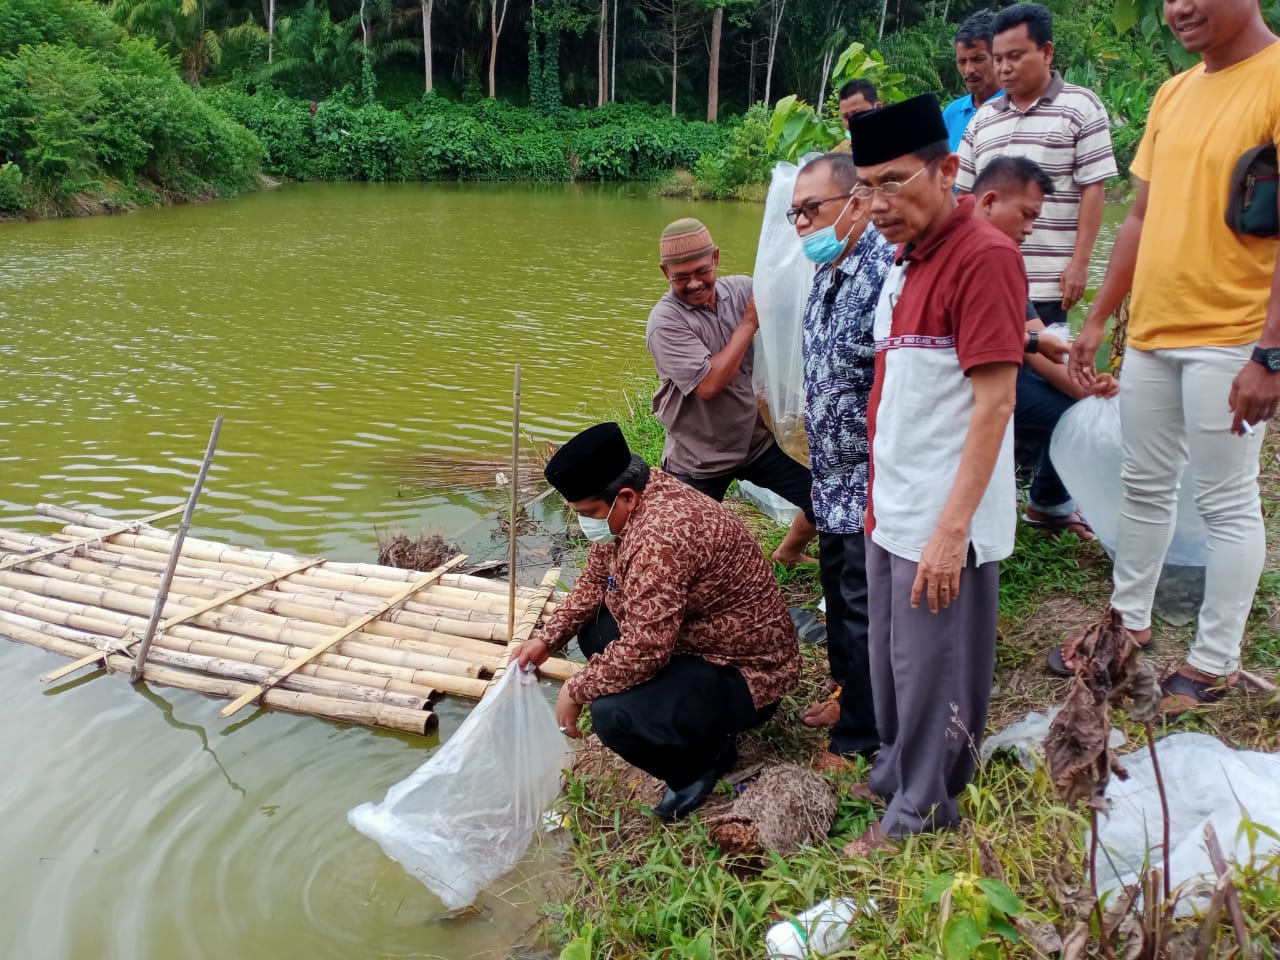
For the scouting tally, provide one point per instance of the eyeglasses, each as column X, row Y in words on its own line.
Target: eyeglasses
column 703, row 274
column 810, row 208
column 888, row 189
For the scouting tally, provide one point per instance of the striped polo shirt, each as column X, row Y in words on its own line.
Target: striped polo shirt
column 1068, row 133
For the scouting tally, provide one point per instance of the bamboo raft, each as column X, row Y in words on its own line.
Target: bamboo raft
column 355, row 642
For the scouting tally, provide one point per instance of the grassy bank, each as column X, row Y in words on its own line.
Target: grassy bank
column 645, row 889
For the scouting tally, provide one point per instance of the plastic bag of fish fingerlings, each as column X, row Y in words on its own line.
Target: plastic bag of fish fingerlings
column 467, row 815
column 1087, row 451
column 781, row 282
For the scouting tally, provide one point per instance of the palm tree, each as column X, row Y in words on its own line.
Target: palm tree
column 182, row 26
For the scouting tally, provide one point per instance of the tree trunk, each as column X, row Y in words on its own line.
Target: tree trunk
column 602, row 56
column 884, row 11
column 497, row 18
column 493, row 47
column 271, row 29
column 613, row 57
column 713, row 81
column 828, row 58
column 426, row 42
column 675, row 56
column 775, row 24
column 751, row 74
column 364, row 30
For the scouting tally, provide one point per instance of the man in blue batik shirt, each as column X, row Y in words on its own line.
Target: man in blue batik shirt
column 839, row 368
column 977, row 69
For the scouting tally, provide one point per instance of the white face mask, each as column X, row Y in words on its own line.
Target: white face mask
column 597, row 531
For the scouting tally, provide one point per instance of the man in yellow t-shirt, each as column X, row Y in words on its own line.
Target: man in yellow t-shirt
column 1202, row 370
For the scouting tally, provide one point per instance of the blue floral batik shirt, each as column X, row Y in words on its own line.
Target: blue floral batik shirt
column 839, row 368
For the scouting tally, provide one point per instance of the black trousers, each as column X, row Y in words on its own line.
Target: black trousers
column 1050, row 311
column 773, row 470
column 842, row 567
column 675, row 725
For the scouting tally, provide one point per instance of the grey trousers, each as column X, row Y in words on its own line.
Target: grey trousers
column 932, row 676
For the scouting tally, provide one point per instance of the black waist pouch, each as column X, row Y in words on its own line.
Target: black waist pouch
column 1251, row 200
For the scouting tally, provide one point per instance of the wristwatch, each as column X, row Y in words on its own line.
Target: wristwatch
column 1033, row 342
column 1269, row 357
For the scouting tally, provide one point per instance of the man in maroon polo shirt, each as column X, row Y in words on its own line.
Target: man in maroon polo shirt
column 949, row 340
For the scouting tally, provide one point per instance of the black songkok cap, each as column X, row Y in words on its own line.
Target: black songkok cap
column 896, row 130
column 589, row 462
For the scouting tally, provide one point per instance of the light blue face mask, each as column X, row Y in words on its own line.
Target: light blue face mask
column 597, row 531
column 823, row 246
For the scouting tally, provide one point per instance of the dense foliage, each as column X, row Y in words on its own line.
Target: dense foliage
column 87, row 109
column 114, row 102
column 437, row 139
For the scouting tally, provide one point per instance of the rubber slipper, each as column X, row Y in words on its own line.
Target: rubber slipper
column 1058, row 666
column 1060, row 525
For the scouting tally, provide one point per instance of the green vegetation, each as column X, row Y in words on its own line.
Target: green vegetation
column 87, row 110
column 110, row 104
column 1010, row 883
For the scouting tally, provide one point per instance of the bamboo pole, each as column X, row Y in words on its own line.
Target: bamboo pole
column 418, row 722
column 370, row 647
column 108, row 532
column 528, row 620
column 118, row 636
column 405, row 679
column 512, row 535
column 257, row 558
column 171, row 622
column 121, row 592
column 136, row 673
column 249, row 696
column 148, row 551
column 104, row 593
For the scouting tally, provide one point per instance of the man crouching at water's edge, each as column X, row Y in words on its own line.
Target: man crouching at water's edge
column 690, row 640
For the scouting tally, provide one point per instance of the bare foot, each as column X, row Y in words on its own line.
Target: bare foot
column 869, row 842
column 825, row 714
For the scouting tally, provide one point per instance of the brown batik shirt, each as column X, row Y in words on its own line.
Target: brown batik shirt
column 685, row 577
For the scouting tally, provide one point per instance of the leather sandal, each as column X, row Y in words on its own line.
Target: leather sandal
column 1188, row 689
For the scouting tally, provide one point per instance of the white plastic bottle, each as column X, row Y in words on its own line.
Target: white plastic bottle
column 821, row 930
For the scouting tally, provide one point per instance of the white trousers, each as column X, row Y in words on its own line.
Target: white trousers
column 1173, row 410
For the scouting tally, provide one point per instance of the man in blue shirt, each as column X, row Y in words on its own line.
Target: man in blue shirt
column 839, row 350
column 978, row 70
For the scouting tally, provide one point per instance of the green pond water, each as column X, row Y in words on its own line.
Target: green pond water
column 336, row 327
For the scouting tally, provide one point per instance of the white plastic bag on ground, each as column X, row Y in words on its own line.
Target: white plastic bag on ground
column 1025, row 738
column 1087, row 452
column 781, row 282
column 1206, row 782
column 467, row 815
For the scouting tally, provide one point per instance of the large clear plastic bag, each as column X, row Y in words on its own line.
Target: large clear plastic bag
column 1087, row 452
column 467, row 815
column 1206, row 782
column 781, row 282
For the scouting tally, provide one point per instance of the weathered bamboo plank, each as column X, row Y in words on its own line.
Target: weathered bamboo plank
column 105, row 533
column 102, row 623
column 528, row 620
column 418, row 722
column 491, row 604
column 190, row 615
column 249, row 696
column 257, row 557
